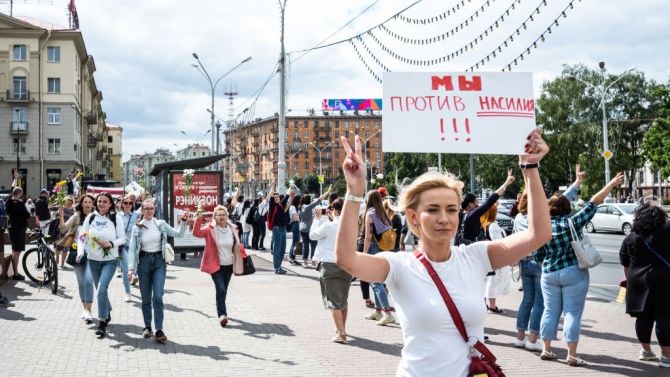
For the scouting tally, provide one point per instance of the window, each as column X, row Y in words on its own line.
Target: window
column 23, row 144
column 376, row 144
column 337, row 124
column 326, row 123
column 306, row 155
column 296, row 166
column 367, row 134
column 54, row 146
column 296, row 145
column 110, row 139
column 316, row 134
column 20, row 52
column 53, row 54
column 20, row 87
column 337, row 134
column 316, row 123
column 346, row 124
column 110, row 151
column 306, row 165
column 296, row 135
column 346, row 134
column 295, row 124
column 377, row 154
column 377, row 124
column 640, row 175
column 356, row 124
column 654, row 173
column 327, row 155
column 337, row 154
column 53, row 114
column 305, row 124
column 367, row 124
column 54, row 85
column 367, row 154
column 305, row 134
column 305, row 145
column 285, row 134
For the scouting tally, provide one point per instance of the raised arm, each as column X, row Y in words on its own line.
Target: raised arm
column 602, row 194
column 572, row 190
column 510, row 179
column 364, row 266
column 516, row 246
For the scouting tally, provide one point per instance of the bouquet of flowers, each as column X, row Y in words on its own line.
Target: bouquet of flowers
column 86, row 236
column 188, row 180
column 139, row 172
column 60, row 193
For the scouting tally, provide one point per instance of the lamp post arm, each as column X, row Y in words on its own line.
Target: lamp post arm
column 620, row 77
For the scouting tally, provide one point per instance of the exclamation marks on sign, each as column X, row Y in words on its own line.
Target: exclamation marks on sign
column 454, row 123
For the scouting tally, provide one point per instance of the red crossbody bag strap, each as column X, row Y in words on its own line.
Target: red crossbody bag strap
column 453, row 310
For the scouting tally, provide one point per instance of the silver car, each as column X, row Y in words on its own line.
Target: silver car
column 613, row 217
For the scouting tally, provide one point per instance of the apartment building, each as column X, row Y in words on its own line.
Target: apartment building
column 311, row 145
column 49, row 105
column 113, row 144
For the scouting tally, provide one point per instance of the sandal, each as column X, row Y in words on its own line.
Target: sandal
column 547, row 355
column 369, row 303
column 575, row 361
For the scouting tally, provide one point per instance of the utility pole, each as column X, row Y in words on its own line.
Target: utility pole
column 281, row 164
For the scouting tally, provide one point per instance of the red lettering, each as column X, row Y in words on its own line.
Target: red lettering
column 399, row 99
column 437, row 82
column 458, row 103
column 473, row 85
column 407, row 102
column 494, row 104
column 430, row 102
column 511, row 106
column 530, row 105
column 417, row 105
column 483, row 103
column 443, row 104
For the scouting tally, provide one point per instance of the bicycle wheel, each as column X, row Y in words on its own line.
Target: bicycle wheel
column 51, row 271
column 33, row 265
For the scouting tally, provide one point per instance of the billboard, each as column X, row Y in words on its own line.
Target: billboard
column 351, row 104
column 205, row 189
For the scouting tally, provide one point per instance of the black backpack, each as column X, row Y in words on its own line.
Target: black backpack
column 251, row 216
column 461, row 240
column 257, row 216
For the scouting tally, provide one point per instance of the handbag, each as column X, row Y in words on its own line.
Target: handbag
column 654, row 251
column 480, row 366
column 168, row 253
column 67, row 240
column 72, row 258
column 248, row 266
column 587, row 255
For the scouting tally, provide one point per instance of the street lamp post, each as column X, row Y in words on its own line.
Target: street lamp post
column 18, row 142
column 281, row 165
column 196, row 142
column 212, row 86
column 291, row 158
column 365, row 155
column 320, row 165
column 603, row 91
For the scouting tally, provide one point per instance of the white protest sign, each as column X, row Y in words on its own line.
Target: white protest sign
column 484, row 113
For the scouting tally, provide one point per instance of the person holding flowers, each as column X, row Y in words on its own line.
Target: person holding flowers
column 145, row 253
column 65, row 211
column 101, row 236
column 81, row 270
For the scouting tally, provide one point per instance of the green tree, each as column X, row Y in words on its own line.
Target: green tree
column 340, row 186
column 311, row 183
column 656, row 143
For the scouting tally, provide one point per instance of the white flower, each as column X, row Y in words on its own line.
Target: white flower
column 291, row 182
column 380, row 176
column 373, row 181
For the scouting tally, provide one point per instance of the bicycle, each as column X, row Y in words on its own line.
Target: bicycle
column 40, row 263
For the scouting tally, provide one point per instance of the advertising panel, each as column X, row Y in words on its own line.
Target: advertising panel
column 205, row 191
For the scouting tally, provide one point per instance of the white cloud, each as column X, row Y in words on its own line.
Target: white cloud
column 142, row 51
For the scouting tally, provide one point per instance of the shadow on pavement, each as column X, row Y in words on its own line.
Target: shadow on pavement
column 260, row 330
column 371, row 345
column 11, row 315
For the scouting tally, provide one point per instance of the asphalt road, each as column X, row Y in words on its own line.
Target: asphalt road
column 605, row 277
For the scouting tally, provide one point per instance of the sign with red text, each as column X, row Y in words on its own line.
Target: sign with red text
column 205, row 190
column 485, row 113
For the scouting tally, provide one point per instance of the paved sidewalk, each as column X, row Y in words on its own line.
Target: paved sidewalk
column 278, row 328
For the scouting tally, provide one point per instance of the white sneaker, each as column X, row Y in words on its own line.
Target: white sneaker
column 386, row 320
column 520, row 343
column 537, row 346
column 83, row 314
column 118, row 274
column 129, row 298
column 88, row 318
column 375, row 316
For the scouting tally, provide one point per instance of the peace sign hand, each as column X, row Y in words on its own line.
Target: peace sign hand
column 354, row 166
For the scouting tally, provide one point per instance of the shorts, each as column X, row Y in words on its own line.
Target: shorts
column 335, row 283
column 18, row 238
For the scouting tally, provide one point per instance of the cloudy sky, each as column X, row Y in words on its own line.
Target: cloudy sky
column 143, row 50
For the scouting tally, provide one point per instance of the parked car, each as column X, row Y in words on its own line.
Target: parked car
column 614, row 217
column 505, row 206
column 505, row 222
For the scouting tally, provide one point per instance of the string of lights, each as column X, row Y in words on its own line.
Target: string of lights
column 439, row 17
column 372, row 72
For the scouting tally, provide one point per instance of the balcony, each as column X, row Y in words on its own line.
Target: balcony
column 91, row 118
column 13, row 96
column 91, row 142
column 18, row 128
column 98, row 155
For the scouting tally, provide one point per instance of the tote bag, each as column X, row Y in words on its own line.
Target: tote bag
column 586, row 253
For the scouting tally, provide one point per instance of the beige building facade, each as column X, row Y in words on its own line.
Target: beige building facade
column 50, row 106
column 113, row 143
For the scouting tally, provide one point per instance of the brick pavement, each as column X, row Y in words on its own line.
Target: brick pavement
column 278, row 327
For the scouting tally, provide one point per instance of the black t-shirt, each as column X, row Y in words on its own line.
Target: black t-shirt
column 42, row 209
column 18, row 213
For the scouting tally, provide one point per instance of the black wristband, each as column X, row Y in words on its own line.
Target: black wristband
column 111, row 243
column 529, row 166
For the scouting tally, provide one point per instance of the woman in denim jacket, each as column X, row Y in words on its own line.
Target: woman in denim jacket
column 145, row 252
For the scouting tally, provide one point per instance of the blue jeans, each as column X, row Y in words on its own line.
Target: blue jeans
column 381, row 298
column 307, row 245
column 532, row 304
column 245, row 240
column 102, row 273
column 123, row 253
column 295, row 233
column 221, row 280
column 564, row 291
column 85, row 282
column 278, row 245
column 151, row 271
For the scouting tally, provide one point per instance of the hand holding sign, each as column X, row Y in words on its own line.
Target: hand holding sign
column 536, row 148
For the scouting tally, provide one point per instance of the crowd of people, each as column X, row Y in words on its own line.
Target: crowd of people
column 445, row 235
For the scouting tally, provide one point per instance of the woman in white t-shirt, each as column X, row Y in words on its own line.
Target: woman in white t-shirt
column 497, row 282
column 431, row 203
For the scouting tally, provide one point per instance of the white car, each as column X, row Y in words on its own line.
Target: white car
column 613, row 217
